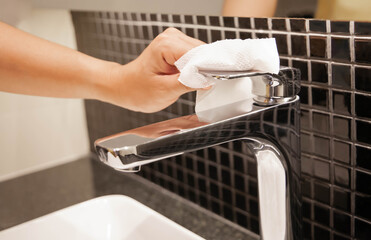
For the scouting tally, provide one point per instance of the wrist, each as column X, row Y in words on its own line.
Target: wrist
column 103, row 81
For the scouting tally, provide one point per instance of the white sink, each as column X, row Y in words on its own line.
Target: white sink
column 104, row 218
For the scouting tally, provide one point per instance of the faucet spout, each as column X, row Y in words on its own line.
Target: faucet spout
column 270, row 131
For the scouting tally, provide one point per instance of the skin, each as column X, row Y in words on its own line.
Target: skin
column 249, row 8
column 33, row 66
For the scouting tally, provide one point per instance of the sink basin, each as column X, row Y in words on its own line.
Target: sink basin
column 104, row 218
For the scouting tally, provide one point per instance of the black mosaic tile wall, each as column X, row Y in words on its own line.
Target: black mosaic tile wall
column 335, row 61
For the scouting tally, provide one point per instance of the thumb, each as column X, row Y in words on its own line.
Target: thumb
column 176, row 85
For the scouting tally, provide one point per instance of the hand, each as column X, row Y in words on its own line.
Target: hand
column 150, row 82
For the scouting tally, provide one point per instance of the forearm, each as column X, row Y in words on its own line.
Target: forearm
column 33, row 66
column 249, row 8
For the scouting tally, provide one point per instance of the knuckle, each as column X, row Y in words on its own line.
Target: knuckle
column 171, row 31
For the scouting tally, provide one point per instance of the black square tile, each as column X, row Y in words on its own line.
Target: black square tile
column 254, row 208
column 339, row 27
column 203, row 201
column 306, row 208
column 228, row 22
column 164, row 17
column 322, row 215
column 201, row 185
column 240, row 202
column 153, row 17
column 281, row 41
column 341, row 102
column 362, row 79
column 200, row 167
column 239, row 182
column 230, row 34
column 279, row 24
column 317, row 26
column 245, row 35
column 176, row 19
column 214, row 20
column 363, row 181
column 297, row 25
column 202, row 35
column 252, row 169
column 342, row 152
column 363, row 132
column 362, row 229
column 303, row 95
column 321, row 169
column 322, row 193
column 306, row 143
column 215, row 207
column 213, row 172
column 254, row 225
column 253, row 188
column 303, row 67
column 241, row 219
column 321, row 122
column 201, row 20
column 342, row 223
column 298, row 46
column 341, row 76
column 341, row 199
column 363, row 209
column 190, row 32
column 320, row 97
column 189, row 163
column 318, row 46
column 155, row 31
column 342, row 176
column 228, row 213
column 342, row 127
column 188, row 19
column 319, row 72
column 244, row 23
column 340, row 48
column 227, row 196
column 362, row 50
column 191, row 180
column 363, row 106
column 143, row 17
column 363, row 157
column 214, row 190
column 216, row 35
column 179, row 175
column 226, row 177
column 362, row 28
column 261, row 23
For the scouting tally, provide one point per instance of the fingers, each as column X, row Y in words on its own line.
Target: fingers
column 174, row 44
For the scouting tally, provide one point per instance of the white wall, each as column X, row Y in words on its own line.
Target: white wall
column 39, row 132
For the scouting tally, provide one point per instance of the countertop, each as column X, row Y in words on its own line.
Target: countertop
column 34, row 195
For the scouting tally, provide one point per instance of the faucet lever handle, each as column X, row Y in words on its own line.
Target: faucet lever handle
column 269, row 88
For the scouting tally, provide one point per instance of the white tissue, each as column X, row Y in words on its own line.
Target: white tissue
column 226, row 55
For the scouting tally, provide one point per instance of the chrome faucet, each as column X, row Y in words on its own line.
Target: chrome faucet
column 268, row 124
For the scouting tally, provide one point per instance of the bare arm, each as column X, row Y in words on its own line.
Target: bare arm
column 33, row 66
column 249, row 8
